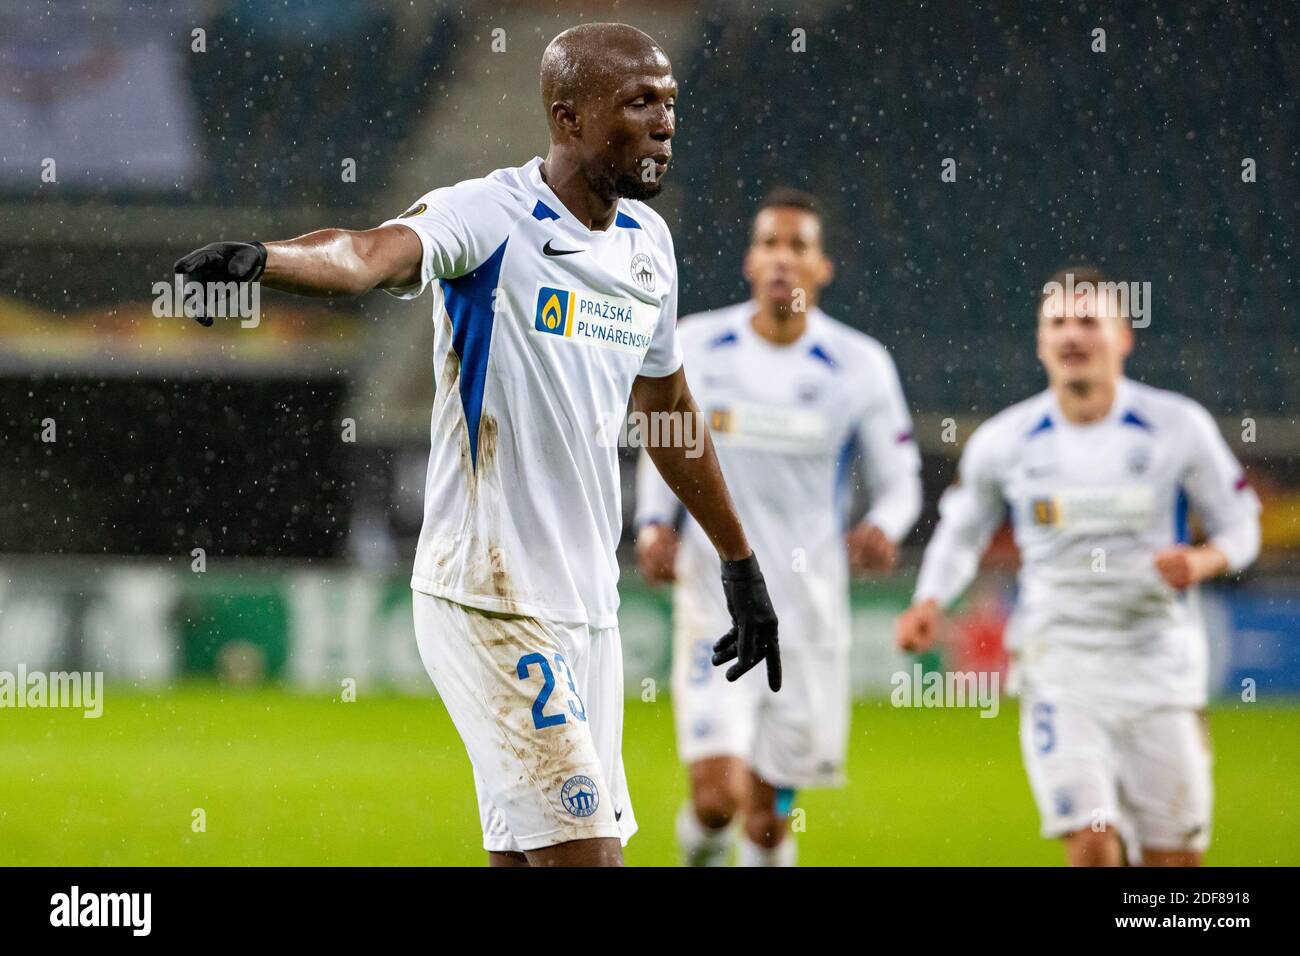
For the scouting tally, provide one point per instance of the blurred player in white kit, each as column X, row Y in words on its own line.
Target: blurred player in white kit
column 792, row 398
column 1098, row 474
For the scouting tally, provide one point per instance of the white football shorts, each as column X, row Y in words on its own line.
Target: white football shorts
column 794, row 739
column 1143, row 770
column 539, row 706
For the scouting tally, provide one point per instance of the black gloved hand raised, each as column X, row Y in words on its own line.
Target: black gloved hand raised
column 224, row 262
column 752, row 637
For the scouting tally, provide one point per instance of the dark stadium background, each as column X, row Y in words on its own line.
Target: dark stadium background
column 171, row 437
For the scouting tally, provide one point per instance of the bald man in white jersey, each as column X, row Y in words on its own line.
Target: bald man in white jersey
column 1109, row 654
column 555, row 301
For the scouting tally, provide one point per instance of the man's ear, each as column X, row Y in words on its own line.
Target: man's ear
column 1126, row 338
column 828, row 270
column 746, row 269
column 565, row 118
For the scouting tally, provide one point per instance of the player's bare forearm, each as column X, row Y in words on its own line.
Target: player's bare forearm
column 692, row 473
column 327, row 262
column 344, row 262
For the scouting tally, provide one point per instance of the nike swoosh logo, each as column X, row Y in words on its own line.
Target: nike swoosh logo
column 547, row 250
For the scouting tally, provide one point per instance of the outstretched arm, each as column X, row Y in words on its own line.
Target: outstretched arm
column 322, row 263
column 344, row 262
column 449, row 232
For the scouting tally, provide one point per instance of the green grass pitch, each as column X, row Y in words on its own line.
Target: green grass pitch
column 285, row 778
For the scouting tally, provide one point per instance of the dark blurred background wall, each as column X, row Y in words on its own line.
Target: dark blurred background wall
column 173, row 436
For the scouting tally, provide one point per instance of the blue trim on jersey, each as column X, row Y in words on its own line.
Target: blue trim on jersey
column 542, row 212
column 726, row 338
column 624, row 221
column 784, row 801
column 1182, row 534
column 1132, row 418
column 844, row 468
column 468, row 301
column 1044, row 425
column 819, row 353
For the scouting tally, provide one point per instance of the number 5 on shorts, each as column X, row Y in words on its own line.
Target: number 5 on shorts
column 542, row 720
column 1044, row 732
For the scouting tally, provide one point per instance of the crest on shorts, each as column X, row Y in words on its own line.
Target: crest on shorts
column 580, row 796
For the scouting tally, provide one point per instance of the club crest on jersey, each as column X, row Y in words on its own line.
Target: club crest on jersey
column 580, row 796
column 554, row 310
column 1139, row 459
column 643, row 271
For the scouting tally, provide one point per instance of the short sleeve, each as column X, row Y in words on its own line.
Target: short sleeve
column 664, row 357
column 459, row 228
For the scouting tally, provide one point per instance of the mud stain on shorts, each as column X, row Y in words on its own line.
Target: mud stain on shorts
column 550, row 755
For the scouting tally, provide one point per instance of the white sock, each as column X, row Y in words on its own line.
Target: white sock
column 701, row 846
column 783, row 854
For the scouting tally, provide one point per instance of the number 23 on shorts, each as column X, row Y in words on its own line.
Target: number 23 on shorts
column 541, row 719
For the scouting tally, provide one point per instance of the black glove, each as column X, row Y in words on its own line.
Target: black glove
column 223, row 262
column 752, row 637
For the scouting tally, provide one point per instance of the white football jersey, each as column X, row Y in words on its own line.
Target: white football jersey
column 789, row 422
column 541, row 326
column 1091, row 505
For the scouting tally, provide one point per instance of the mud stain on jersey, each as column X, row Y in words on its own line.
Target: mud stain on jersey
column 450, row 376
column 476, row 545
column 488, row 437
column 501, row 586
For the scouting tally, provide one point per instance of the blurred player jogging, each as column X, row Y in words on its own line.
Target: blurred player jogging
column 793, row 398
column 1098, row 475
